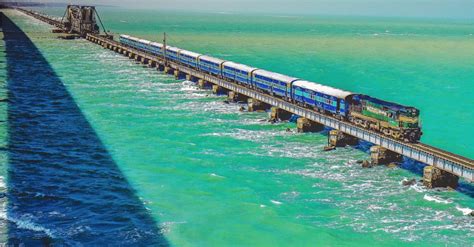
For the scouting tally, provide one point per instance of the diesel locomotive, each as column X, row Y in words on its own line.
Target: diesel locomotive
column 390, row 119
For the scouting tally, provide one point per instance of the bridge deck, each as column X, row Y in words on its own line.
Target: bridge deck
column 40, row 17
column 447, row 161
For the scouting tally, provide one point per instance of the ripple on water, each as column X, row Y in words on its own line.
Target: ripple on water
column 368, row 201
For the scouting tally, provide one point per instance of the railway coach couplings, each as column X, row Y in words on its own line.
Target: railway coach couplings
column 456, row 165
column 384, row 117
column 406, row 117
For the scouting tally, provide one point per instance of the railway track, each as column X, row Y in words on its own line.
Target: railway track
column 450, row 162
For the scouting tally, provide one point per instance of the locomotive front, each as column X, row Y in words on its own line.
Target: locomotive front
column 409, row 121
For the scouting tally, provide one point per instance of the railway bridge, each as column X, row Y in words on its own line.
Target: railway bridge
column 443, row 168
column 77, row 21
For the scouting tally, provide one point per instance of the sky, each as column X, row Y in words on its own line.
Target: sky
column 462, row 9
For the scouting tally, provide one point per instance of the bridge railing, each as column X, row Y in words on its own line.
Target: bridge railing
column 460, row 166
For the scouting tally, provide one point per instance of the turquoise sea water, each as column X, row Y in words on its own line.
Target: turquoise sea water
column 210, row 175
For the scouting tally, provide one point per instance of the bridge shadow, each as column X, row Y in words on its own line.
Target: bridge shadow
column 63, row 187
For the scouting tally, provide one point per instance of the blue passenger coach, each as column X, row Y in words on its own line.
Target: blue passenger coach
column 189, row 58
column 156, row 48
column 240, row 73
column 144, row 45
column 172, row 53
column 129, row 40
column 124, row 39
column 399, row 122
column 210, row 64
column 273, row 83
column 320, row 97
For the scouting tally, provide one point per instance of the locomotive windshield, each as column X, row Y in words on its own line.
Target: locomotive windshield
column 410, row 118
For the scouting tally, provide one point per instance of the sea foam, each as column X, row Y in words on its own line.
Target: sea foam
column 436, row 199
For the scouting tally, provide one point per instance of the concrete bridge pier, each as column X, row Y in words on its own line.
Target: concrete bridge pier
column 138, row 58
column 190, row 78
column 151, row 64
column 382, row 156
column 236, row 97
column 168, row 70
column 144, row 60
column 304, row 125
column 434, row 177
column 337, row 138
column 256, row 105
column 202, row 84
column 216, row 89
column 278, row 114
column 160, row 67
column 178, row 74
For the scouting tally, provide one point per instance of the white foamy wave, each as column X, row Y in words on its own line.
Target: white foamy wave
column 165, row 227
column 26, row 224
column 374, row 208
column 188, row 86
column 2, row 183
column 436, row 199
column 215, row 175
column 464, row 211
column 276, row 202
column 418, row 188
column 248, row 135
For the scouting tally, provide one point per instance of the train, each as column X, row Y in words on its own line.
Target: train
column 390, row 119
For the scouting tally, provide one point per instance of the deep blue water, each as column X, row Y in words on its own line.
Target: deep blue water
column 104, row 151
column 58, row 167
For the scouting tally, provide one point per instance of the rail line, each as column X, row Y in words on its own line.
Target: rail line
column 447, row 161
column 444, row 160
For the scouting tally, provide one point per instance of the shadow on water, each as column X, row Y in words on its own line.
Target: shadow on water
column 64, row 188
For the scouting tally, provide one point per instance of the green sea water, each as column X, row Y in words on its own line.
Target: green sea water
column 213, row 176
